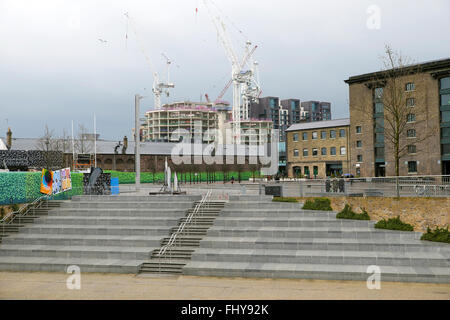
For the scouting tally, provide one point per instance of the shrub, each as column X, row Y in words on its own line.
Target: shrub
column 2, row 212
column 284, row 199
column 347, row 213
column 438, row 235
column 394, row 224
column 14, row 207
column 323, row 204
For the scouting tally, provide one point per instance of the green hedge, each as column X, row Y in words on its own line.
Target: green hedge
column 284, row 199
column 323, row 204
column 148, row 177
column 394, row 224
column 438, row 235
column 24, row 187
column 347, row 213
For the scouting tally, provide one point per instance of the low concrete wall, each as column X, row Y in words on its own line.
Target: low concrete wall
column 419, row 212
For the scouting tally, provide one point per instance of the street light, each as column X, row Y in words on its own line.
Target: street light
column 137, row 141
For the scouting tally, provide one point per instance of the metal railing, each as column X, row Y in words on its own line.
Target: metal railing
column 403, row 186
column 192, row 215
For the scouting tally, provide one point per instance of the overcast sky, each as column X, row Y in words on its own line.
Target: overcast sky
column 53, row 68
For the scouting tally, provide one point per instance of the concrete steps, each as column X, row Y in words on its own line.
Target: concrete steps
column 179, row 254
column 317, row 271
column 98, row 233
column 280, row 240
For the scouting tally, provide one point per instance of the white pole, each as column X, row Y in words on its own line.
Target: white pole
column 73, row 150
column 137, row 155
column 95, row 143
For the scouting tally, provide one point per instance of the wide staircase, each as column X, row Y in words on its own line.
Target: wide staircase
column 255, row 237
column 25, row 218
column 176, row 251
column 97, row 233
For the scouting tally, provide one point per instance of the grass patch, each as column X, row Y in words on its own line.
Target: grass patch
column 348, row 213
column 323, row 204
column 438, row 235
column 284, row 199
column 394, row 224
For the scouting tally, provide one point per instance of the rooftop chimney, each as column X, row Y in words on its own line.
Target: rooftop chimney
column 9, row 139
column 125, row 145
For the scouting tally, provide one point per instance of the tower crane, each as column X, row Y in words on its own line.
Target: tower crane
column 244, row 61
column 158, row 87
column 235, row 72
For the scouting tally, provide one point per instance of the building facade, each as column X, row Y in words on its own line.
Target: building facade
column 316, row 110
column 425, row 140
column 318, row 149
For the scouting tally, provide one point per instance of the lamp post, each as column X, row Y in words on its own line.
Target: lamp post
column 137, row 141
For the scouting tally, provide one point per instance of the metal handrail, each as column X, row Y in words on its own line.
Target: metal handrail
column 35, row 204
column 180, row 229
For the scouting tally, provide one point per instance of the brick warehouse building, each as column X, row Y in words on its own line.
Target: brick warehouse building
column 318, row 149
column 427, row 131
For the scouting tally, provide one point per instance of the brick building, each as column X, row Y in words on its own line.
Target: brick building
column 318, row 149
column 426, row 137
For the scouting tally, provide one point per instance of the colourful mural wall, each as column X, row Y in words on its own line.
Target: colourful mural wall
column 23, row 187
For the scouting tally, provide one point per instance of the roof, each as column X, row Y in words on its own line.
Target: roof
column 424, row 67
column 107, row 147
column 320, row 124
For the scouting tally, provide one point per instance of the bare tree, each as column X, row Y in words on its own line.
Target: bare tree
column 49, row 145
column 84, row 142
column 394, row 100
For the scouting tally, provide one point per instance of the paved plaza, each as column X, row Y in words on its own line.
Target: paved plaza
column 39, row 285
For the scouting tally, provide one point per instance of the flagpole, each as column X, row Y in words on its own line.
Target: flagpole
column 95, row 142
column 73, row 150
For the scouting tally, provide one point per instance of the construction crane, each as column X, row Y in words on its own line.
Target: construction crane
column 168, row 63
column 235, row 72
column 244, row 61
column 158, row 87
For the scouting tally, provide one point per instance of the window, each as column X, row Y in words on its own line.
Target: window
column 411, row 117
column 323, row 151
column 412, row 166
column 315, row 170
column 295, row 137
column 333, row 151
column 359, row 158
column 295, row 152
column 445, row 133
column 379, row 153
column 379, row 137
column 315, row 152
column 410, row 102
column 379, row 108
column 332, row 134
column 306, row 169
column 314, row 135
column 445, row 83
column 305, row 136
column 379, row 123
column 411, row 149
column 410, row 86
column 359, row 144
column 378, row 93
column 411, row 133
column 445, row 99
column 446, row 149
column 358, row 129
column 445, row 116
column 305, row 152
column 323, row 135
column 343, row 151
column 342, row 133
